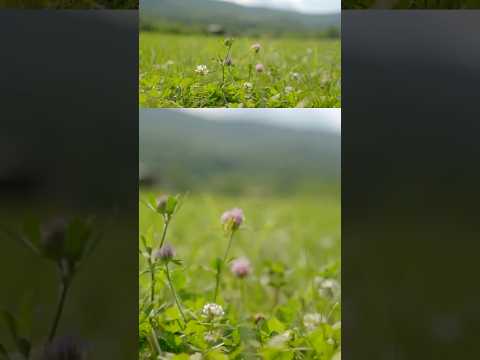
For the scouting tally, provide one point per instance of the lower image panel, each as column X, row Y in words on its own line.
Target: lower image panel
column 239, row 224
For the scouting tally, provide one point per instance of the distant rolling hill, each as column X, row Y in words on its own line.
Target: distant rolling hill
column 189, row 153
column 234, row 18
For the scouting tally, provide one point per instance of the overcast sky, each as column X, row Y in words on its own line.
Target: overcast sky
column 306, row 6
column 321, row 119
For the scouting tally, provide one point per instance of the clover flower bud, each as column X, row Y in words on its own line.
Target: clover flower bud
column 241, row 267
column 228, row 61
column 201, row 70
column 162, row 204
column 258, row 317
column 256, row 47
column 165, row 253
column 212, row 310
column 259, row 68
column 53, row 237
column 248, row 85
column 66, row 347
column 232, row 219
column 312, row 320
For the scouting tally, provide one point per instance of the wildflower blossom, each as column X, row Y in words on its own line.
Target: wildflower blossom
column 295, row 75
column 248, row 85
column 279, row 340
column 312, row 320
column 288, row 89
column 165, row 253
column 233, row 218
column 327, row 287
column 228, row 61
column 53, row 236
column 162, row 204
column 258, row 317
column 66, row 347
column 212, row 310
column 259, row 68
column 256, row 47
column 211, row 336
column 201, row 69
column 241, row 267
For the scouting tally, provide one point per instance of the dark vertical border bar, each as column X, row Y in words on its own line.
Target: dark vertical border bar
column 68, row 173
column 410, row 180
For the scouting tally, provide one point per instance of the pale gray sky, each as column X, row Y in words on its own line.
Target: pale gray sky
column 322, row 119
column 305, row 6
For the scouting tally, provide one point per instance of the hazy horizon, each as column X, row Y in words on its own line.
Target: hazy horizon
column 302, row 6
column 309, row 119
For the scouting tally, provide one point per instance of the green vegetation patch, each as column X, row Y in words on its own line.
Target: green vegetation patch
column 208, row 71
column 258, row 281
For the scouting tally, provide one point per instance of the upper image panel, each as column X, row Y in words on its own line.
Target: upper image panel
column 410, row 4
column 240, row 53
column 69, row 4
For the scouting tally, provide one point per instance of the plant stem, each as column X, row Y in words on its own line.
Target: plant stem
column 164, row 232
column 152, row 281
column 219, row 270
column 64, row 286
column 177, row 301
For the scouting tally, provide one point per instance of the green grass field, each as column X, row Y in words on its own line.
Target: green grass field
column 296, row 72
column 287, row 308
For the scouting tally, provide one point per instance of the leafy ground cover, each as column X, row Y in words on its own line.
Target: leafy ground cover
column 258, row 283
column 206, row 71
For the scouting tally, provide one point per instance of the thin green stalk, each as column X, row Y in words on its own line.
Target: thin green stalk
column 65, row 284
column 164, row 232
column 222, row 264
column 177, row 301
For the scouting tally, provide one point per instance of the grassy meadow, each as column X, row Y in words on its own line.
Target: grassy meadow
column 188, row 70
column 288, row 307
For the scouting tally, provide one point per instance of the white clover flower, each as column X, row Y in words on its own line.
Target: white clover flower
column 201, row 69
column 211, row 336
column 289, row 89
column 295, row 75
column 248, row 85
column 280, row 339
column 312, row 320
column 212, row 310
column 328, row 287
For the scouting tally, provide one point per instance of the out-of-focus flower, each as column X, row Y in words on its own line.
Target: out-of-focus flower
column 228, row 61
column 162, row 204
column 256, row 47
column 53, row 237
column 295, row 75
column 280, row 340
column 65, row 348
column 312, row 320
column 212, row 336
column 241, row 267
column 196, row 356
column 232, row 219
column 248, row 85
column 328, row 287
column 258, row 317
column 201, row 70
column 212, row 310
column 165, row 253
column 259, row 68
column 288, row 89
